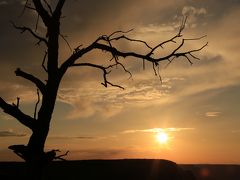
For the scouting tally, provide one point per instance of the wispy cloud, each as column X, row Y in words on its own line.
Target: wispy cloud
column 235, row 131
column 26, row 93
column 11, row 133
column 193, row 15
column 156, row 130
column 212, row 114
column 73, row 137
column 189, row 10
column 89, row 101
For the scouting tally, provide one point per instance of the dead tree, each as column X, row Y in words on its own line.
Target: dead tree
column 39, row 124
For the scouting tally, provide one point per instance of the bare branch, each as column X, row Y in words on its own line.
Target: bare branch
column 60, row 157
column 66, row 41
column 31, row 8
column 36, row 105
column 105, row 72
column 40, row 85
column 123, row 36
column 123, row 32
column 107, row 46
column 194, row 56
column 48, row 5
column 190, row 52
column 42, row 12
column 24, row 8
column 179, row 34
column 18, row 99
column 43, row 62
column 36, row 26
column 196, row 50
column 130, row 39
column 117, row 53
column 188, row 59
column 154, row 69
column 194, row 39
column 15, row 112
column 57, row 11
column 124, row 68
column 24, row 28
column 159, row 75
column 20, row 150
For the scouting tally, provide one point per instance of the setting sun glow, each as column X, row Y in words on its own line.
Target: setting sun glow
column 162, row 137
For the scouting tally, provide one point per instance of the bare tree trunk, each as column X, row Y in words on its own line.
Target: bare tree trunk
column 38, row 159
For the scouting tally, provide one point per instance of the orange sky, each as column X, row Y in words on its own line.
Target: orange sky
column 197, row 106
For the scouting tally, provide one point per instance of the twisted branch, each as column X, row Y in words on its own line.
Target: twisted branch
column 24, row 29
column 15, row 112
column 40, row 85
column 105, row 71
column 104, row 43
column 42, row 12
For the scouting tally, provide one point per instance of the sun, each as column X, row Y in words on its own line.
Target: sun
column 162, row 137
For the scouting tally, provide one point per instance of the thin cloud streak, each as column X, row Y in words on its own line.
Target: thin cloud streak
column 212, row 114
column 110, row 102
column 73, row 137
column 10, row 133
column 235, row 131
column 156, row 130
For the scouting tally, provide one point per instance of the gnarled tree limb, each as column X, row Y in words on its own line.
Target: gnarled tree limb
column 24, row 28
column 46, row 18
column 105, row 72
column 57, row 11
column 15, row 112
column 49, row 6
column 40, row 85
column 104, row 43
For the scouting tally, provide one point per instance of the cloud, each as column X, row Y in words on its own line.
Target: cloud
column 26, row 93
column 156, row 28
column 156, row 130
column 11, row 133
column 3, row 3
column 193, row 15
column 190, row 10
column 212, row 114
column 73, row 137
column 235, row 131
column 90, row 100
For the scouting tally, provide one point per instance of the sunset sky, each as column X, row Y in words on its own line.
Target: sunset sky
column 197, row 106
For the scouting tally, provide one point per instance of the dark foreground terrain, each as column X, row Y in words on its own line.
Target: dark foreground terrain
column 124, row 170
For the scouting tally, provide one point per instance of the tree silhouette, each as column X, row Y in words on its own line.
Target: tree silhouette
column 33, row 152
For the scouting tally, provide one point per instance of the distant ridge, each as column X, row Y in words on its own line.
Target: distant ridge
column 126, row 169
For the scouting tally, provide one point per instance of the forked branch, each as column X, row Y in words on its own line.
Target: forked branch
column 34, row 34
column 46, row 18
column 57, row 11
column 105, row 71
column 105, row 44
column 40, row 85
column 15, row 112
column 49, row 7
